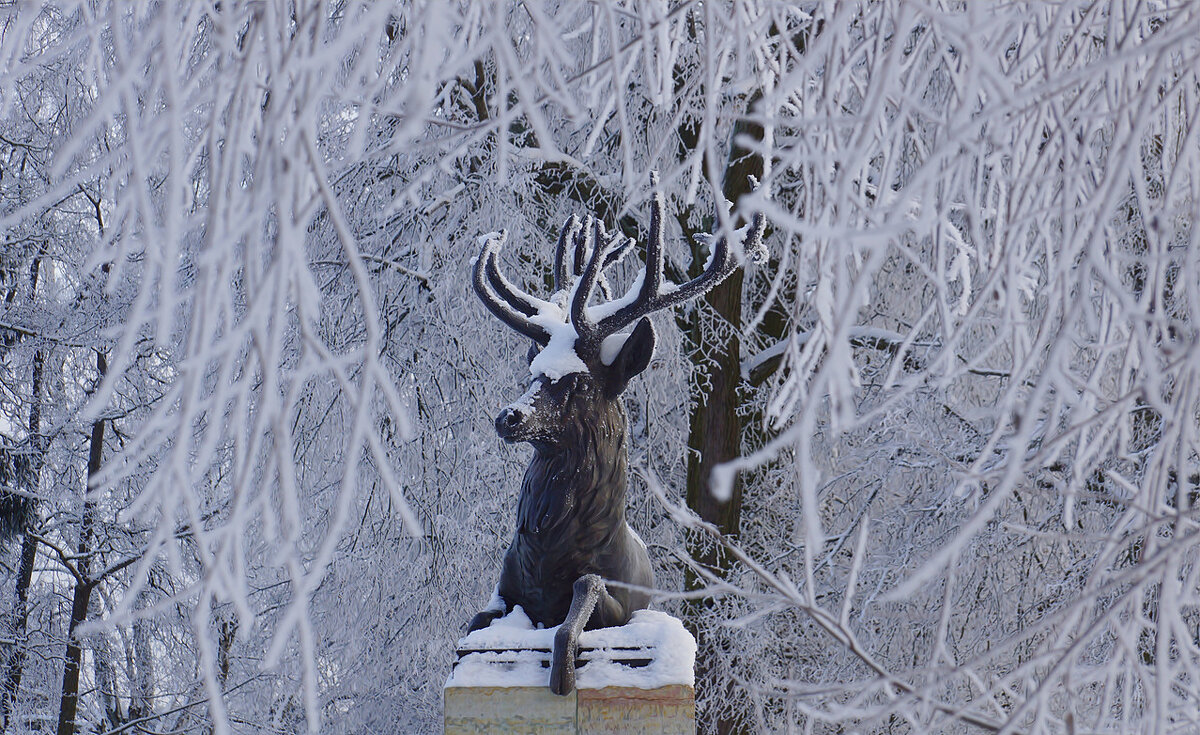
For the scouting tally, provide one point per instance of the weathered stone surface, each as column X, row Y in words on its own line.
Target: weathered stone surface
column 668, row 710
column 526, row 710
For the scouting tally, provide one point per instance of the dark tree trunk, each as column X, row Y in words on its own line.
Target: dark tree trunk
column 715, row 434
column 70, row 686
column 714, row 437
column 16, row 661
column 716, row 429
column 69, row 704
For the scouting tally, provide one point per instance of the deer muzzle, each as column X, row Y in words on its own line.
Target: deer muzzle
column 508, row 423
column 525, row 417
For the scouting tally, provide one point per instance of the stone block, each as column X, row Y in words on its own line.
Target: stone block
column 613, row 710
column 508, row 710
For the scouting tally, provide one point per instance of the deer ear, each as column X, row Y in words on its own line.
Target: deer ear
column 633, row 356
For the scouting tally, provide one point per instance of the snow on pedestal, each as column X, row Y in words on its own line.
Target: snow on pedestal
column 636, row 678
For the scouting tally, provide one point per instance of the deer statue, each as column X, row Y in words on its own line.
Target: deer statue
column 571, row 536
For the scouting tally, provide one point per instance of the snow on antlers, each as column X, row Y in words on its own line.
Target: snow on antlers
column 575, row 336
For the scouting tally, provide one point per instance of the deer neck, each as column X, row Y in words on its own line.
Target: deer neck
column 580, row 481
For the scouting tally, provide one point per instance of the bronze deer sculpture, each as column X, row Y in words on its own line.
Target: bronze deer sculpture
column 571, row 533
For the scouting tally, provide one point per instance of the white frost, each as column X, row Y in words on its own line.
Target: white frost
column 558, row 357
column 523, row 404
column 600, row 311
column 497, row 602
column 612, row 345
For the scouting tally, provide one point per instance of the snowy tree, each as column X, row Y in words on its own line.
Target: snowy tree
column 931, row 467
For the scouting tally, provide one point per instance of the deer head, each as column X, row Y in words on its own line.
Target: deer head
column 585, row 354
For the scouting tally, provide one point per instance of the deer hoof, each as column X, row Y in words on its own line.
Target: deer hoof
column 481, row 620
column 562, row 678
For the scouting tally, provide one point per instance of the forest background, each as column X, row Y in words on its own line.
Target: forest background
column 932, row 466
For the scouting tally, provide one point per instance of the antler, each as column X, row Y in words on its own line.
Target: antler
column 652, row 294
column 583, row 238
column 509, row 304
column 594, row 250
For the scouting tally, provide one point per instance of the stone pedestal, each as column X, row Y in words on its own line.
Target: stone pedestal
column 637, row 678
column 670, row 708
column 508, row 710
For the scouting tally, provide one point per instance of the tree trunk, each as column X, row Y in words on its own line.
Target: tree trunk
column 70, row 686
column 715, row 434
column 16, row 661
column 69, row 704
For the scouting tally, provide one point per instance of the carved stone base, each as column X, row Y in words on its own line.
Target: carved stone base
column 668, row 710
column 530, row 710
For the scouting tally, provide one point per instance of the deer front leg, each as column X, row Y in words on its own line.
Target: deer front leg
column 497, row 608
column 588, row 593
